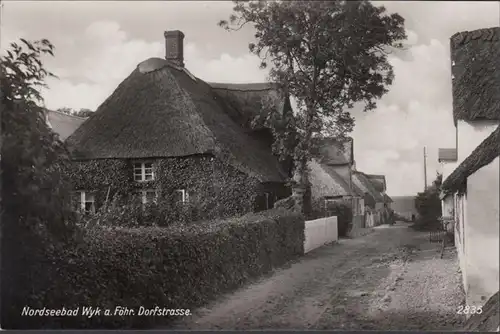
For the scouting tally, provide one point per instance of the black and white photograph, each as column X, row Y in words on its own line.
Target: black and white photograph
column 250, row 165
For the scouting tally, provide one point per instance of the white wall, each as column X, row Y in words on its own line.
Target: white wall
column 447, row 206
column 370, row 220
column 319, row 232
column 471, row 134
column 482, row 234
column 459, row 203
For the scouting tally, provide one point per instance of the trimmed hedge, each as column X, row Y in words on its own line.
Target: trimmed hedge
column 179, row 267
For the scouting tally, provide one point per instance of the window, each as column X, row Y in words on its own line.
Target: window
column 148, row 196
column 84, row 202
column 182, row 196
column 143, row 171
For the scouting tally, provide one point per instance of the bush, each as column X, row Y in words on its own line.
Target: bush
column 182, row 266
column 428, row 206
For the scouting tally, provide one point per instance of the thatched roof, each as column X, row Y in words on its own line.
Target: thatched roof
column 476, row 73
column 329, row 151
column 387, row 199
column 378, row 181
column 483, row 155
column 327, row 182
column 162, row 111
column 247, row 100
column 371, row 194
column 447, row 154
column 63, row 124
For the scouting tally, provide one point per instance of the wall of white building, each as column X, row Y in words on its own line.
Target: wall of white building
column 481, row 234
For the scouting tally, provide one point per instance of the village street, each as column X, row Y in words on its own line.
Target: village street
column 392, row 278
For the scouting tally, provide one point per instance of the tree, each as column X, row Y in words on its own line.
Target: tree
column 84, row 112
column 328, row 55
column 428, row 205
column 66, row 110
column 34, row 192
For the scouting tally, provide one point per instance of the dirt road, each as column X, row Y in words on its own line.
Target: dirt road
column 391, row 279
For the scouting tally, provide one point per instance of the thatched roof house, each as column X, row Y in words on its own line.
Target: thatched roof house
column 326, row 182
column 483, row 155
column 161, row 110
column 378, row 182
column 371, row 195
column 476, row 74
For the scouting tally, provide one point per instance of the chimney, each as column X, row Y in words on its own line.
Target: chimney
column 174, row 47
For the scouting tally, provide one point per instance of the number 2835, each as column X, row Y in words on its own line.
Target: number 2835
column 469, row 310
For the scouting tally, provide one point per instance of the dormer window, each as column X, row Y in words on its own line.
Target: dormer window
column 143, row 171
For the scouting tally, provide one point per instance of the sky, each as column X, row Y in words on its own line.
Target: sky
column 99, row 43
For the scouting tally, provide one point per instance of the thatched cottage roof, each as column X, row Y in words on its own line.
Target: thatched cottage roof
column 363, row 182
column 63, row 124
column 483, row 155
column 161, row 110
column 378, row 181
column 247, row 100
column 476, row 74
column 387, row 199
column 329, row 151
column 326, row 182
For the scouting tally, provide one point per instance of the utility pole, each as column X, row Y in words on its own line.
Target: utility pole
column 425, row 169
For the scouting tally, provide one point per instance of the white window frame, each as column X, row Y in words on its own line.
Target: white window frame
column 143, row 171
column 184, row 196
column 86, row 197
column 144, row 196
column 267, row 195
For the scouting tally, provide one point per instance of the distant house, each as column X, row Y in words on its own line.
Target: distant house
column 165, row 134
column 332, row 174
column 380, row 184
column 63, row 124
column 470, row 190
column 373, row 198
column 388, row 200
column 328, row 186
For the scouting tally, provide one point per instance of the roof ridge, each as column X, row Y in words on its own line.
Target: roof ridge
column 484, row 34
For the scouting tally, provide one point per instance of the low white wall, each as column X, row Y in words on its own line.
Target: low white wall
column 319, row 232
column 370, row 220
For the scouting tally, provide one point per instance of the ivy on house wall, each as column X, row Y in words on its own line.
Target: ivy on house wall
column 215, row 188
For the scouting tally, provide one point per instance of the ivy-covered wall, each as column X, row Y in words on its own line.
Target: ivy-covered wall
column 215, row 188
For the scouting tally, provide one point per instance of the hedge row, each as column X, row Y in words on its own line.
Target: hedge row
column 179, row 267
